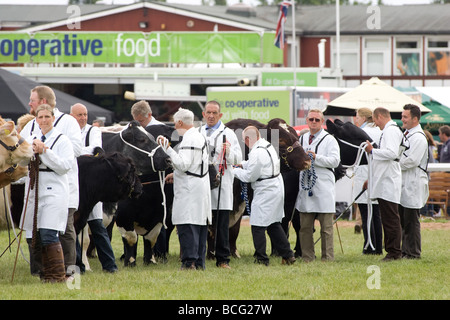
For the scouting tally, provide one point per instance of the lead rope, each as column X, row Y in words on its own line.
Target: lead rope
column 34, row 183
column 162, row 179
column 359, row 155
column 310, row 176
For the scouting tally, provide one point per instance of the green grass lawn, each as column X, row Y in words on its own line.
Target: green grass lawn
column 350, row 276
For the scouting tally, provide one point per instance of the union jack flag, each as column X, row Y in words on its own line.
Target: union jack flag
column 279, row 37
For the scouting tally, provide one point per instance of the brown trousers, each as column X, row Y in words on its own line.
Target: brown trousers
column 411, row 239
column 390, row 219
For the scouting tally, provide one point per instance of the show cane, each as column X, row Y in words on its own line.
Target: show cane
column 222, row 167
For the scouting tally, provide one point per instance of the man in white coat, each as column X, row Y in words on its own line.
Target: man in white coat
column 92, row 137
column 142, row 113
column 262, row 170
column 414, row 181
column 387, row 180
column 215, row 131
column 191, row 210
column 55, row 161
column 70, row 128
column 319, row 201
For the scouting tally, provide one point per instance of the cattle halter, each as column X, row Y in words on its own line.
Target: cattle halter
column 13, row 148
column 149, row 154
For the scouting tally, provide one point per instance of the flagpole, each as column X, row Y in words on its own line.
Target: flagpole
column 293, row 51
column 338, row 38
column 294, row 63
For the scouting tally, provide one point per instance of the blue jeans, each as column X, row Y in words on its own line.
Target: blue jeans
column 48, row 236
column 102, row 244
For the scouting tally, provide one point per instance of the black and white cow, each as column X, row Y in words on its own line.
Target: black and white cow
column 106, row 178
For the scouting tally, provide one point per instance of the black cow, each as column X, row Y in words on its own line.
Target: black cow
column 106, row 178
column 136, row 143
column 350, row 133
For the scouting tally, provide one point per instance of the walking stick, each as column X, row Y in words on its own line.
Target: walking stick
column 357, row 197
column 222, row 167
column 34, row 170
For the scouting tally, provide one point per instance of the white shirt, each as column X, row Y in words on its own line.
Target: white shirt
column 268, row 194
column 192, row 194
column 327, row 157
column 413, row 164
column 387, row 176
column 234, row 157
column 53, row 186
column 69, row 126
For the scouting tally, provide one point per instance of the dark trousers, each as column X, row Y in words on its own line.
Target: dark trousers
column 411, row 239
column 392, row 228
column 376, row 230
column 102, row 244
column 278, row 238
column 192, row 239
column 220, row 224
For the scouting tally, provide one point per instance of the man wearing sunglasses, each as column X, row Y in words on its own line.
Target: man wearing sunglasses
column 319, row 201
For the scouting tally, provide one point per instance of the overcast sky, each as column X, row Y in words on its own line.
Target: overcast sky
column 253, row 2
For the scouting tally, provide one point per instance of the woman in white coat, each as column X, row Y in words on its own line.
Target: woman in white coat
column 364, row 120
column 56, row 156
column 191, row 210
column 262, row 170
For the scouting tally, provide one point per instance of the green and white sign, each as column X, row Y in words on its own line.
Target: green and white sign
column 137, row 47
column 306, row 79
column 249, row 103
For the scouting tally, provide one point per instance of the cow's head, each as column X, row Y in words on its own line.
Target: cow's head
column 350, row 133
column 141, row 146
column 13, row 149
column 125, row 172
column 291, row 152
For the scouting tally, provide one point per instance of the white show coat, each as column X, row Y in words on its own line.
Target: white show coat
column 327, row 158
column 95, row 140
column 53, row 186
column 234, row 157
column 192, row 194
column 268, row 194
column 69, row 126
column 387, row 176
column 362, row 171
column 413, row 164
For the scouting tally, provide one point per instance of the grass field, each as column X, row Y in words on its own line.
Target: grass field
column 350, row 276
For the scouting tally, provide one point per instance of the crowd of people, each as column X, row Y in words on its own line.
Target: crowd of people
column 398, row 188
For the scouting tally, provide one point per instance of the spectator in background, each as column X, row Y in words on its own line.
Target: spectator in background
column 444, row 135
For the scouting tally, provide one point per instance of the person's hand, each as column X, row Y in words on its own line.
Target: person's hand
column 312, row 153
column 163, row 142
column 365, row 185
column 169, row 178
column 369, row 147
column 38, row 146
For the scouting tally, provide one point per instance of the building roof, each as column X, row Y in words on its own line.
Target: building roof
column 310, row 20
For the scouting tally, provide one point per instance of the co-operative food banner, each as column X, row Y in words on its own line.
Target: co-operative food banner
column 137, row 47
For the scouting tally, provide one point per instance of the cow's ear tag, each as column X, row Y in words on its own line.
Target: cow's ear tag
column 7, row 132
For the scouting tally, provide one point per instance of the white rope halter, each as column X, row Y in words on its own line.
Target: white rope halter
column 359, row 155
column 161, row 174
